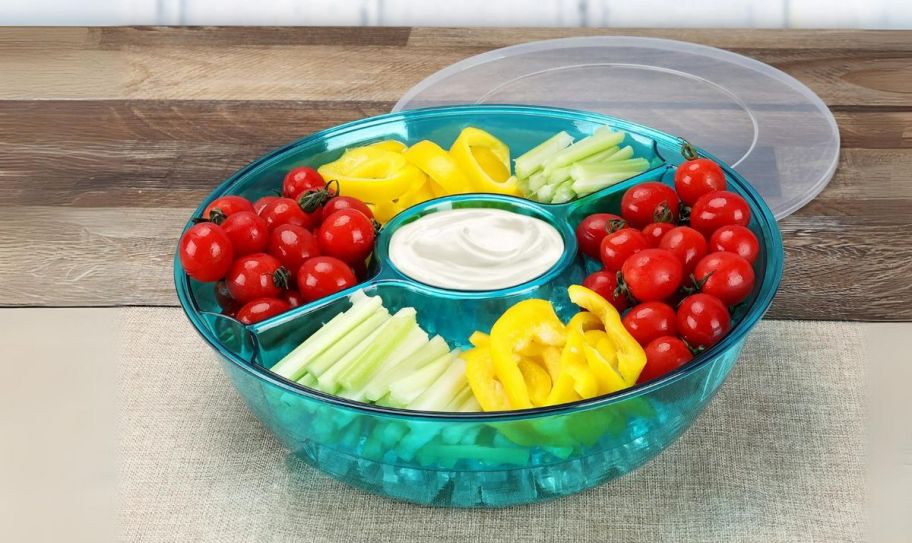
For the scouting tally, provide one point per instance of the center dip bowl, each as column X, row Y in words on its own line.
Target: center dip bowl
column 472, row 459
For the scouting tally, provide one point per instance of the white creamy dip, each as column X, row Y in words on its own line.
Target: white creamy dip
column 475, row 249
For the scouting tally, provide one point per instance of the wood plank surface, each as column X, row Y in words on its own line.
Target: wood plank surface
column 109, row 137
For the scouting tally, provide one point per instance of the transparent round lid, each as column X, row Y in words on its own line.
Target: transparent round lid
column 764, row 123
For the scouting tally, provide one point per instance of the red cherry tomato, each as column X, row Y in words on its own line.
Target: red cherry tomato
column 703, row 320
column 726, row 276
column 224, row 299
column 300, row 180
column 652, row 275
column 338, row 203
column 205, row 252
column 226, row 206
column 717, row 209
column 347, row 235
column 621, row 245
column 323, row 275
column 604, row 283
column 247, row 231
column 655, row 231
column 292, row 298
column 685, row 243
column 664, row 355
column 262, row 203
column 256, row 276
column 649, row 202
column 735, row 239
column 651, row 320
column 261, row 309
column 697, row 177
column 592, row 230
column 286, row 211
column 292, row 245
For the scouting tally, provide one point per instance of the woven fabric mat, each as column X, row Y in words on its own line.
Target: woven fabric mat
column 777, row 456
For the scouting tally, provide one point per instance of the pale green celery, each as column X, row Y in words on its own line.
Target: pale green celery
column 585, row 171
column 536, row 182
column 600, row 156
column 558, row 176
column 563, row 192
column 545, row 193
column 470, row 405
column 292, row 366
column 445, row 388
column 413, row 340
column 583, row 188
column 404, row 391
column 601, row 139
column 308, row 380
column 623, row 153
column 427, row 353
column 328, row 379
column 346, row 343
column 532, row 160
column 397, row 329
column 460, row 397
column 522, row 183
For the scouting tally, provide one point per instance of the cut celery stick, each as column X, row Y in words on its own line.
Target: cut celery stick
column 460, row 397
column 413, row 340
column 559, row 175
column 397, row 329
column 563, row 192
column 471, row 405
column 623, row 153
column 532, row 160
column 405, row 390
column 545, row 193
column 346, row 343
column 601, row 139
column 308, row 380
column 430, row 351
column 445, row 388
column 292, row 365
column 584, row 171
column 536, row 182
column 600, row 156
column 589, row 186
column 328, row 379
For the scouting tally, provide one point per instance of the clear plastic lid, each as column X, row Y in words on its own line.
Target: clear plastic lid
column 764, row 123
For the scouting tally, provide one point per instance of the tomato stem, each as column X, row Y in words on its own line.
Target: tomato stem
column 622, row 289
column 281, row 277
column 614, row 225
column 663, row 213
column 688, row 151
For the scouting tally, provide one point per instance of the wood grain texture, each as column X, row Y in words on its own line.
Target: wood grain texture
column 109, row 138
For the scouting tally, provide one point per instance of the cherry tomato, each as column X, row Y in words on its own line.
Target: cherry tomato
column 347, row 235
column 703, row 320
column 664, row 355
column 292, row 298
column 655, row 231
column 714, row 210
column 685, row 243
column 247, row 231
column 256, row 276
column 649, row 202
column 323, row 275
column 697, row 177
column 300, row 180
column 205, row 252
column 604, row 283
column 262, row 203
column 286, row 211
column 338, row 203
column 292, row 245
column 226, row 206
column 592, row 230
column 735, row 239
column 261, row 309
column 621, row 245
column 726, row 276
column 652, row 275
column 651, row 320
column 224, row 299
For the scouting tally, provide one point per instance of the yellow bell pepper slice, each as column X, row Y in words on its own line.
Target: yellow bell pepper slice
column 485, row 387
column 537, row 380
column 526, row 321
column 373, row 175
column 415, row 195
column 575, row 380
column 630, row 355
column 602, row 360
column 485, row 160
column 394, row 146
column 440, row 167
column 479, row 339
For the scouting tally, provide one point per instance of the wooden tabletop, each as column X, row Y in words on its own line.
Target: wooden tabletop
column 109, row 137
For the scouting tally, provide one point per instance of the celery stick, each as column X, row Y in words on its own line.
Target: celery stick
column 404, row 391
column 545, row 193
column 536, row 182
column 430, row 351
column 308, row 380
column 471, row 405
column 413, row 340
column 601, row 139
column 585, row 172
column 558, row 176
column 396, row 329
column 601, row 155
column 589, row 186
column 443, row 390
column 321, row 363
column 292, row 366
column 623, row 153
column 327, row 379
column 532, row 160
column 460, row 397
column 563, row 192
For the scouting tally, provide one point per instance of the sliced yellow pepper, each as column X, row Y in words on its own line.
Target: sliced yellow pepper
column 446, row 176
column 630, row 355
column 415, row 195
column 395, row 146
column 485, row 161
column 480, row 375
column 538, row 382
column 526, row 321
column 575, row 380
column 373, row 175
